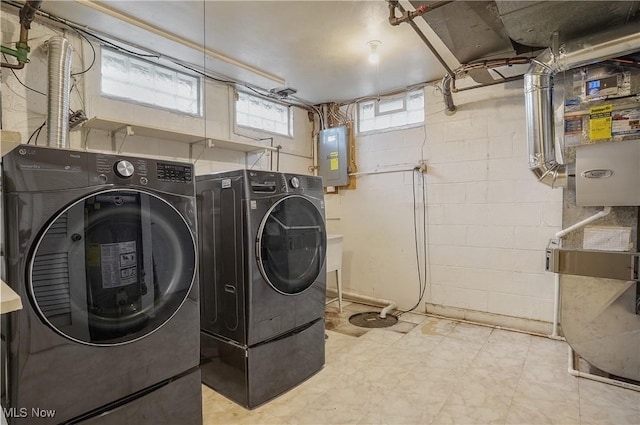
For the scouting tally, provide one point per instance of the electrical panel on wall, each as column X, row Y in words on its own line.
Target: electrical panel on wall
column 333, row 158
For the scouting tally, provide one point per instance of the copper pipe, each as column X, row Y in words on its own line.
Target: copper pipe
column 408, row 16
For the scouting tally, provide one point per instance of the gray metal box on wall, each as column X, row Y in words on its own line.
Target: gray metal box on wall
column 333, row 159
column 608, row 174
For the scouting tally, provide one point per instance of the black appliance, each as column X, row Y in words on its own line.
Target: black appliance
column 102, row 250
column 262, row 243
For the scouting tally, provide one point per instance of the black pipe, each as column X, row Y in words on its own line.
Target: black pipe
column 448, row 98
column 28, row 12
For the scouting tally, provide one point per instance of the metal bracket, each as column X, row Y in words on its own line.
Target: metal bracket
column 128, row 132
column 603, row 264
column 208, row 143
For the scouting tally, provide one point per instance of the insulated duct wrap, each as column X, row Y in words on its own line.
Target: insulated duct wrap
column 59, row 92
column 538, row 91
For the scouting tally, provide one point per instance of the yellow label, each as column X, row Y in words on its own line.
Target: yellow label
column 93, row 255
column 600, row 122
column 333, row 161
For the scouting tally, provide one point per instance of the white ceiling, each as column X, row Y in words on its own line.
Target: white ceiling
column 317, row 47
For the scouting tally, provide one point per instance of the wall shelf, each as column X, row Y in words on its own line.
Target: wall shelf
column 129, row 128
column 9, row 300
column 9, row 140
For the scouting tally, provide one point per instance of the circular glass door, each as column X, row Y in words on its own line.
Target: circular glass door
column 112, row 267
column 291, row 245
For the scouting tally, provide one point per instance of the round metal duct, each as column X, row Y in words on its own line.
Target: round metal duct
column 600, row 323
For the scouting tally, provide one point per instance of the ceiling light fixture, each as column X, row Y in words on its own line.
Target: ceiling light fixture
column 374, row 56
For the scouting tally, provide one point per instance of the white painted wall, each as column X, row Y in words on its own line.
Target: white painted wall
column 489, row 220
column 23, row 111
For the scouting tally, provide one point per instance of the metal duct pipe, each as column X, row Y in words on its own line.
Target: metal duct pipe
column 538, row 92
column 59, row 92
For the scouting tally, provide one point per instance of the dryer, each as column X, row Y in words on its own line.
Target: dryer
column 262, row 243
column 102, row 250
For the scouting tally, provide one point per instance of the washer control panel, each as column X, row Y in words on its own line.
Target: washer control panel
column 174, row 172
column 124, row 168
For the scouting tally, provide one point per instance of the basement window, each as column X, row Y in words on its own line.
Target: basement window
column 131, row 78
column 262, row 114
column 391, row 112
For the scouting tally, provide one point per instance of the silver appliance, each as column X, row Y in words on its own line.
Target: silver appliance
column 608, row 174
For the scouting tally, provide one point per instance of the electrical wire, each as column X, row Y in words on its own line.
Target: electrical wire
column 109, row 43
column 20, row 81
column 37, row 130
column 422, row 272
column 93, row 60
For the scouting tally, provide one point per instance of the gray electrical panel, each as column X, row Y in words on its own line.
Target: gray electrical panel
column 333, row 159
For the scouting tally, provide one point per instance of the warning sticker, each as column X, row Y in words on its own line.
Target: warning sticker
column 626, row 122
column 600, row 122
column 333, row 161
column 118, row 264
column 93, row 255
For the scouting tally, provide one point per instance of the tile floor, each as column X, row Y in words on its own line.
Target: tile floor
column 426, row 370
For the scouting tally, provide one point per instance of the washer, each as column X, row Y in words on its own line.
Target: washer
column 101, row 249
column 263, row 280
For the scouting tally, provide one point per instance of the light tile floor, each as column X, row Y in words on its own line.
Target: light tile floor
column 426, row 370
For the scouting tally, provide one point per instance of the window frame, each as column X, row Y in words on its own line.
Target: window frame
column 389, row 100
column 290, row 126
column 376, row 112
column 129, row 56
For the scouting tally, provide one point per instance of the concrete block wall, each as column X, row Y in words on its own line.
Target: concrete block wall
column 488, row 219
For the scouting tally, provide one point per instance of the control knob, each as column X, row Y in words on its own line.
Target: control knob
column 295, row 182
column 123, row 168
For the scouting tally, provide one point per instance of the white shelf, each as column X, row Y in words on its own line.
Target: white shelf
column 9, row 300
column 9, row 140
column 113, row 126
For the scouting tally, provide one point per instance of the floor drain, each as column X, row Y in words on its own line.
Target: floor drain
column 372, row 319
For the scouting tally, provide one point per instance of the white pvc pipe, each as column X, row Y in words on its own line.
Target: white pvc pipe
column 556, row 306
column 556, row 289
column 390, row 305
column 562, row 233
column 575, row 372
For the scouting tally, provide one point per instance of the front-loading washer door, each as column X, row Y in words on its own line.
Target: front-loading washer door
column 291, row 245
column 112, row 267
